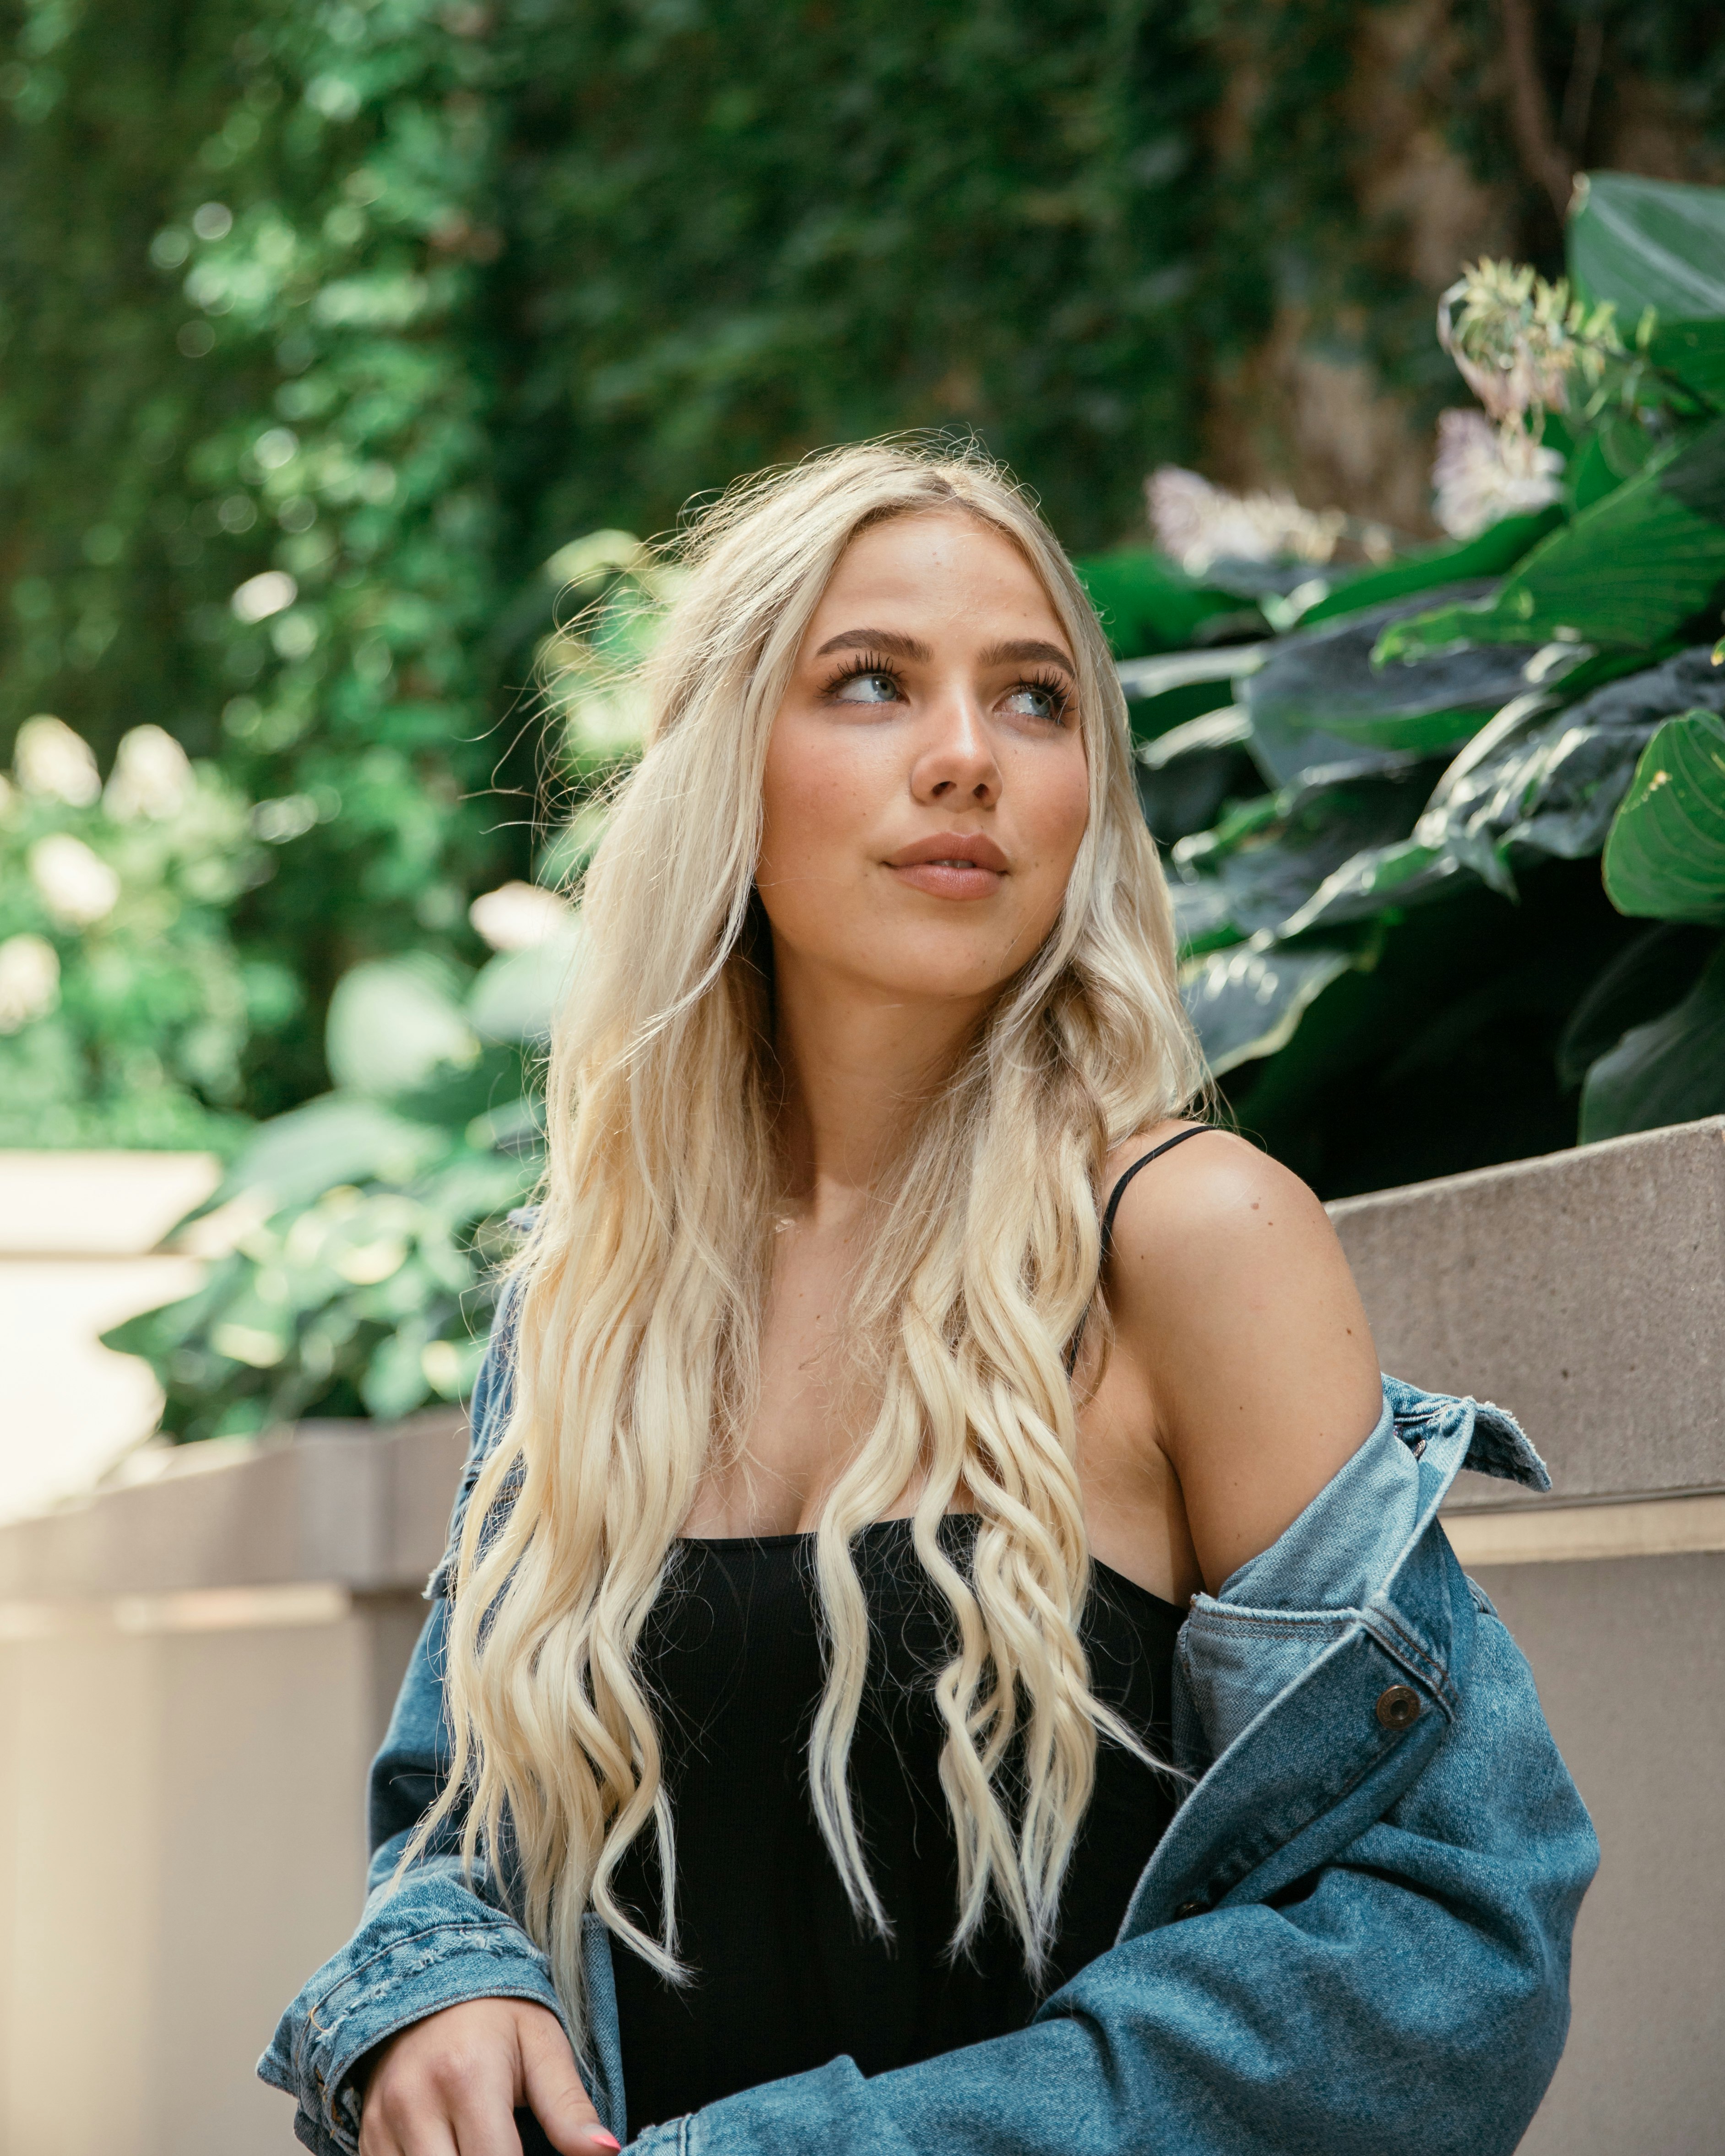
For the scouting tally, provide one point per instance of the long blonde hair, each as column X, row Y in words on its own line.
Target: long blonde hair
column 637, row 1301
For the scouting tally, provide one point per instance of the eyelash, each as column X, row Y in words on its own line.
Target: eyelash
column 1050, row 684
column 870, row 662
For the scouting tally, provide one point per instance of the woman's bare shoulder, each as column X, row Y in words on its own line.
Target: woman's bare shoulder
column 1229, row 1293
column 1211, row 1197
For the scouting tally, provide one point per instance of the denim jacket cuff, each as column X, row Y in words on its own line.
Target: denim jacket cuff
column 428, row 1948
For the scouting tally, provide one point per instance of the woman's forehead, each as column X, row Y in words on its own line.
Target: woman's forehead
column 935, row 569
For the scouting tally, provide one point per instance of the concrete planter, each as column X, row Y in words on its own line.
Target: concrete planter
column 80, row 1236
column 195, row 1669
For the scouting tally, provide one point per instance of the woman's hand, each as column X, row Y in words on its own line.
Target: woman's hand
column 453, row 2083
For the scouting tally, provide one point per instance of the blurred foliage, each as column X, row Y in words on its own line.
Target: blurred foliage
column 381, row 301
column 364, row 1228
column 244, row 446
column 124, row 1010
column 325, row 323
column 367, row 1223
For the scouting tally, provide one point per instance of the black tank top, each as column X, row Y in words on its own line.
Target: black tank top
column 784, row 1976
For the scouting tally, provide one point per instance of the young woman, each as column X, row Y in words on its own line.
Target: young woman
column 945, row 1645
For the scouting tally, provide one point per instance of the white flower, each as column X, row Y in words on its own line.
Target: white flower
column 259, row 597
column 29, row 980
column 519, row 916
column 1483, row 473
column 151, row 777
column 77, row 887
column 50, row 759
column 1198, row 524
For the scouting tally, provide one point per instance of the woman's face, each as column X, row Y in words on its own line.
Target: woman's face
column 926, row 787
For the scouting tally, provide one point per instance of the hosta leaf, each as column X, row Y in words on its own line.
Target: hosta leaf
column 1672, row 1071
column 1263, row 867
column 1493, row 553
column 1664, row 855
column 1186, row 776
column 1247, row 1003
column 1627, row 572
column 1402, row 874
column 1148, row 604
column 1536, row 783
column 1643, row 242
column 1695, row 353
column 1641, row 983
column 1318, row 701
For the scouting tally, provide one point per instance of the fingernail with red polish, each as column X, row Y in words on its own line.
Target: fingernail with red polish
column 601, row 2139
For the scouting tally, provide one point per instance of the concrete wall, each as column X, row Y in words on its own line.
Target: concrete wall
column 194, row 1668
column 194, row 1673
column 1586, row 1293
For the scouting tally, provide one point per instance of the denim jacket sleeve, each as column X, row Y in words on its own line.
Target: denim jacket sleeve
column 434, row 1938
column 1354, row 1938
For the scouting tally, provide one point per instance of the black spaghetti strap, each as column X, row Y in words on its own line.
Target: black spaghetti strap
column 1115, row 1196
column 1167, row 1145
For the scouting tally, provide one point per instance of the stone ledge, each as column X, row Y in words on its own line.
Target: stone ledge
column 355, row 1505
column 1583, row 1291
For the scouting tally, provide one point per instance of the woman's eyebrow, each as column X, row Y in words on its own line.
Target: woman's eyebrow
column 1023, row 649
column 1020, row 652
column 877, row 639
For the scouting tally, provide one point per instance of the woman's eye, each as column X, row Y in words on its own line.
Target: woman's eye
column 867, row 689
column 1029, row 701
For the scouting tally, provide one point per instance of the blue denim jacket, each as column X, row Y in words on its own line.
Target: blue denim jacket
column 1353, row 1940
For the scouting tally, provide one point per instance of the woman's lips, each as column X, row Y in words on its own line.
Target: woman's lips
column 952, row 865
column 949, row 879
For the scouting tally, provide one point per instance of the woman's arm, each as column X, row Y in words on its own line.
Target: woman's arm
column 1242, row 1352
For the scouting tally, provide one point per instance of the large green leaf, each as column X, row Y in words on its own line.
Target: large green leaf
column 394, row 1023
column 1318, row 700
column 1187, row 775
column 1148, row 604
column 1643, row 243
column 1536, row 783
column 517, row 993
column 1695, row 353
column 1628, row 571
column 1649, row 976
column 1493, row 553
column 1672, row 1071
column 1247, row 1002
column 1664, row 855
column 1375, row 881
column 339, row 1138
column 1263, row 864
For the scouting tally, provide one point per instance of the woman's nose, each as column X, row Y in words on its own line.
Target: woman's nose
column 955, row 762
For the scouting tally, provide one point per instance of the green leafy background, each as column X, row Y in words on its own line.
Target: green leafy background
column 415, row 313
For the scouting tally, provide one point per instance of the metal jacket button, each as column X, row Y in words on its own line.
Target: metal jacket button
column 1188, row 1909
column 1398, row 1708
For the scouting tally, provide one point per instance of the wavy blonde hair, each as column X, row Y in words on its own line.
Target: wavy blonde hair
column 637, row 1301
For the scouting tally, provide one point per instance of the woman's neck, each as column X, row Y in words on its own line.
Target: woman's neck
column 855, row 1067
